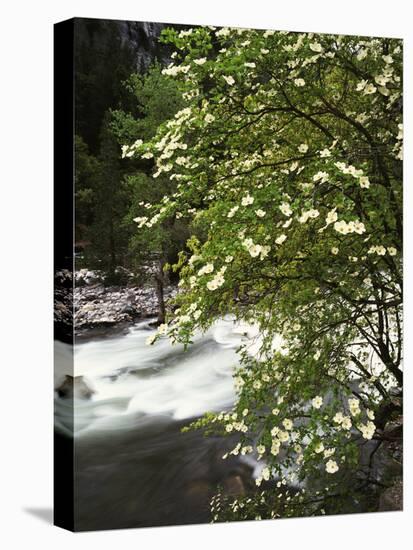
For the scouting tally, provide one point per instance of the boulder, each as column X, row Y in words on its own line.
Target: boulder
column 391, row 499
column 74, row 387
column 233, row 485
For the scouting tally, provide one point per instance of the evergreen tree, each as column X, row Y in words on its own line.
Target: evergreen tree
column 108, row 235
column 154, row 248
column 86, row 177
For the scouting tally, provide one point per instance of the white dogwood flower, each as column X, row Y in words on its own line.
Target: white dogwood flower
column 229, row 80
column 247, row 200
column 286, row 209
column 331, row 467
column 299, row 82
column 317, row 402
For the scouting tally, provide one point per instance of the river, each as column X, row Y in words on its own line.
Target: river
column 133, row 465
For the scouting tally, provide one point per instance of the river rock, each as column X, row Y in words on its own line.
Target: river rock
column 99, row 306
column 199, row 490
column 392, row 498
column 74, row 387
column 234, row 486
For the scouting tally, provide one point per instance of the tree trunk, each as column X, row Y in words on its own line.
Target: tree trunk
column 112, row 252
column 160, row 280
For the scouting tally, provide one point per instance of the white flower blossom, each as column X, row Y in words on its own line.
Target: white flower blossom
column 225, row 31
column 370, row 414
column 255, row 250
column 387, row 59
column 286, row 209
column 231, row 213
column 163, row 329
column 299, row 82
column 329, row 452
column 354, row 406
column 218, row 280
column 150, row 340
column 351, row 227
column 229, row 80
column 208, row 268
column 260, row 213
column 316, row 47
column 367, row 430
column 331, row 217
column 247, row 200
column 275, row 448
column 283, row 436
column 141, row 221
column 280, row 239
column 319, row 448
column 361, row 85
column 362, row 54
column 321, row 176
column 309, row 214
column 370, row 89
column 380, row 250
column 266, row 473
column 364, row 182
column 261, row 449
column 331, row 467
column 317, row 402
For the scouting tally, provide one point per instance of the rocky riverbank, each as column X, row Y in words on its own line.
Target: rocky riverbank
column 95, row 307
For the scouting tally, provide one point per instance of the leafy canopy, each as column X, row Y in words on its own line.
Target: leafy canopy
column 287, row 157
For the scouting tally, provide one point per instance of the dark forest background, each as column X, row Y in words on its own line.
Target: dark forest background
column 120, row 96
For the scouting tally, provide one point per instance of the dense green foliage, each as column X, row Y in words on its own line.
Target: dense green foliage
column 285, row 161
column 114, row 103
column 151, row 251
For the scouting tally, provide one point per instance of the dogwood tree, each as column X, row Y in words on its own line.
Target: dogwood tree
column 288, row 161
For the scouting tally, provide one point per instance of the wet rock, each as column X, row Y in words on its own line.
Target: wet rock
column 99, row 306
column 63, row 305
column 199, row 490
column 74, row 387
column 392, row 498
column 233, row 486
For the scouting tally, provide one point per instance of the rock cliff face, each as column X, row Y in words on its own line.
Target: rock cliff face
column 106, row 53
column 140, row 38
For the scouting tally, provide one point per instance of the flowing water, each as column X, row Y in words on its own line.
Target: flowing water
column 133, row 465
